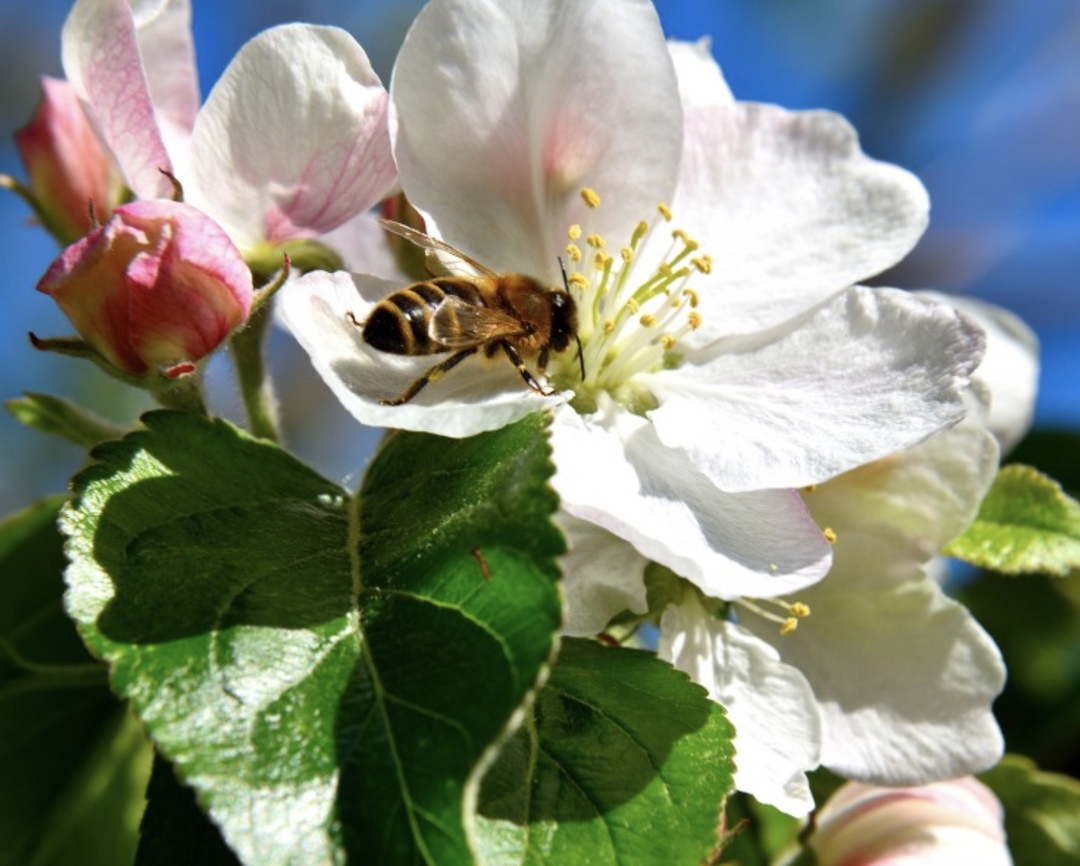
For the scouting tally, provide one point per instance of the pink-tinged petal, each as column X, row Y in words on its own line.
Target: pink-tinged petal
column 68, row 169
column 159, row 283
column 790, row 209
column 778, row 729
column 479, row 394
column 904, row 675
column 163, row 29
column 103, row 63
column 614, row 472
column 872, row 372
column 602, row 577
column 293, row 139
column 943, row 824
column 503, row 111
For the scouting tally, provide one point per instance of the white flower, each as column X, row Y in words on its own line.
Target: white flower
column 899, row 677
column 292, row 141
column 693, row 424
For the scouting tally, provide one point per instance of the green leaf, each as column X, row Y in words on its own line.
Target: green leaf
column 1026, row 524
column 73, row 765
column 324, row 670
column 1042, row 812
column 624, row 761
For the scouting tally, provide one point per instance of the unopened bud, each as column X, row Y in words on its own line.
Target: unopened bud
column 158, row 285
column 941, row 824
column 70, row 174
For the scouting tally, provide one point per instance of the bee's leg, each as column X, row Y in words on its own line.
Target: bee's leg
column 530, row 380
column 352, row 319
column 432, row 375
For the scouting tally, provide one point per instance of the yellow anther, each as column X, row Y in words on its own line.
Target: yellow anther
column 679, row 235
column 692, row 296
column 668, row 342
column 590, row 196
column 574, row 232
column 627, row 254
column 694, row 320
column 574, row 251
column 800, row 610
column 648, row 320
column 703, row 264
column 664, row 270
column 830, row 535
column 578, row 280
column 665, row 211
column 608, row 326
column 633, row 306
column 639, row 233
column 789, row 625
column 773, row 567
column 603, row 260
column 595, row 241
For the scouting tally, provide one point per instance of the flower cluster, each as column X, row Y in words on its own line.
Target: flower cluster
column 728, row 362
column 755, row 453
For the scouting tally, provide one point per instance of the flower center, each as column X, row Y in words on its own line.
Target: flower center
column 630, row 317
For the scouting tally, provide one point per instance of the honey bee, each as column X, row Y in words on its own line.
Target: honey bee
column 488, row 313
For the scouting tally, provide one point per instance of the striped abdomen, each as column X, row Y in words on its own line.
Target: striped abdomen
column 400, row 322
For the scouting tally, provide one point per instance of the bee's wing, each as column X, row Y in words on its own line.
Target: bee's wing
column 427, row 242
column 458, row 324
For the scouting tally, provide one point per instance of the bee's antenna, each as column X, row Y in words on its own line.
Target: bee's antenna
column 580, row 353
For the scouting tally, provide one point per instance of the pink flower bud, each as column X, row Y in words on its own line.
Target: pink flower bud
column 67, row 166
column 941, row 824
column 158, row 284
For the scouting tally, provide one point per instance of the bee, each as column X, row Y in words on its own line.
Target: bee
column 488, row 313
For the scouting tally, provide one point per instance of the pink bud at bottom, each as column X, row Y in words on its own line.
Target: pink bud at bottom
column 159, row 284
column 942, row 824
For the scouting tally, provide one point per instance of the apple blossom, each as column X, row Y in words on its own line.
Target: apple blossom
column 960, row 821
column 159, row 284
column 291, row 143
column 728, row 359
column 890, row 709
column 72, row 178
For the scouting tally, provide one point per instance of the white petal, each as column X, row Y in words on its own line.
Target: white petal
column 102, row 61
column 612, row 471
column 1009, row 371
column 924, row 496
column 701, row 83
column 602, row 577
column 480, row 394
column 168, row 52
column 790, row 210
column 778, row 729
column 293, row 140
column 904, row 675
column 872, row 372
column 504, row 109
column 361, row 243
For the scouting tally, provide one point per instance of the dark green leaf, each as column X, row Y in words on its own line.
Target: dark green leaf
column 325, row 671
column 1026, row 524
column 73, row 765
column 1042, row 812
column 624, row 761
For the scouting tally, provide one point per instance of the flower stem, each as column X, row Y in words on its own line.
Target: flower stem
column 184, row 394
column 256, row 387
